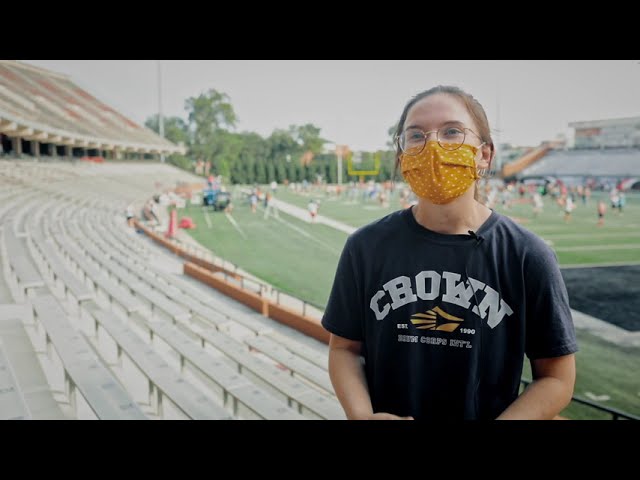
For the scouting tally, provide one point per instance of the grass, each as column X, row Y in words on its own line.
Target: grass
column 354, row 214
column 604, row 369
column 618, row 233
column 300, row 258
column 296, row 257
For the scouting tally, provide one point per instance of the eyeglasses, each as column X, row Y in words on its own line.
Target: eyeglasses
column 412, row 140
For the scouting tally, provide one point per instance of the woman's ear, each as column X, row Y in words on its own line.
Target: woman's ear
column 486, row 155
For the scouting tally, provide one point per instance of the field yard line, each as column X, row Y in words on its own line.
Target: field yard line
column 308, row 235
column 235, row 224
column 206, row 218
column 303, row 215
column 580, row 248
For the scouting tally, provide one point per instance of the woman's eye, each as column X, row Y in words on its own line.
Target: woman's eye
column 452, row 131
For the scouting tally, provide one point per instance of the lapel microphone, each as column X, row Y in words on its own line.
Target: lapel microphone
column 476, row 237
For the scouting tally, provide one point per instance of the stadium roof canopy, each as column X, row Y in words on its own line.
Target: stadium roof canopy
column 37, row 104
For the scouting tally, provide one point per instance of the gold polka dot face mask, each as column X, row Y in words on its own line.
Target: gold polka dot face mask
column 438, row 175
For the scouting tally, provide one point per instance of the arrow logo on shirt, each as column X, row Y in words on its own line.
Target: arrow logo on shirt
column 436, row 319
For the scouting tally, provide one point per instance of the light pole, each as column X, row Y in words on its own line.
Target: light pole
column 338, row 149
column 160, row 117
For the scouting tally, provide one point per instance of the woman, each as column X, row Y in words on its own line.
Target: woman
column 443, row 300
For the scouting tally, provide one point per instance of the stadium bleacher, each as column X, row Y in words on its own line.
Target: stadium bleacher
column 609, row 162
column 46, row 109
column 111, row 327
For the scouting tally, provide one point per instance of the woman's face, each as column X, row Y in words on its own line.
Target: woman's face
column 441, row 109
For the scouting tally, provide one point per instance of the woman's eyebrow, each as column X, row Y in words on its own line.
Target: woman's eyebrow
column 448, row 122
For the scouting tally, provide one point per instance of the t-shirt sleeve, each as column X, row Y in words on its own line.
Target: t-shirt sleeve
column 550, row 331
column 344, row 313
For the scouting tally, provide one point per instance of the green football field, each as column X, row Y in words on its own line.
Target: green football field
column 300, row 258
column 354, row 212
column 578, row 241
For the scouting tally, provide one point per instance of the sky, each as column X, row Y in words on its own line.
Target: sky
column 354, row 102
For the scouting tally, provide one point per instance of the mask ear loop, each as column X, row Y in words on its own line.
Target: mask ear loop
column 482, row 172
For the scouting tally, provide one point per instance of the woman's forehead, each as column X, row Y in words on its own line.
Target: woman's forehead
column 437, row 109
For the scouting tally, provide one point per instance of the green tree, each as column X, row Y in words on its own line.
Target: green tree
column 392, row 133
column 261, row 173
column 292, row 171
column 332, row 169
column 388, row 166
column 181, row 161
column 175, row 128
column 285, row 151
column 308, row 137
column 209, row 113
column 224, row 169
column 245, row 157
column 281, row 171
column 176, row 131
column 271, row 172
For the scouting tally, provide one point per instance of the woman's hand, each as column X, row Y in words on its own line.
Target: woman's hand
column 349, row 381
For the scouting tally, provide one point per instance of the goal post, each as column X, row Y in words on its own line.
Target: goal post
column 353, row 171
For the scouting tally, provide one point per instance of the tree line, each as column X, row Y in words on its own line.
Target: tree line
column 293, row 154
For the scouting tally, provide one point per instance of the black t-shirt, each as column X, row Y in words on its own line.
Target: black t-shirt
column 446, row 320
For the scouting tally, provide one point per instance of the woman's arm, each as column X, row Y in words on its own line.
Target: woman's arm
column 349, row 381
column 549, row 393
